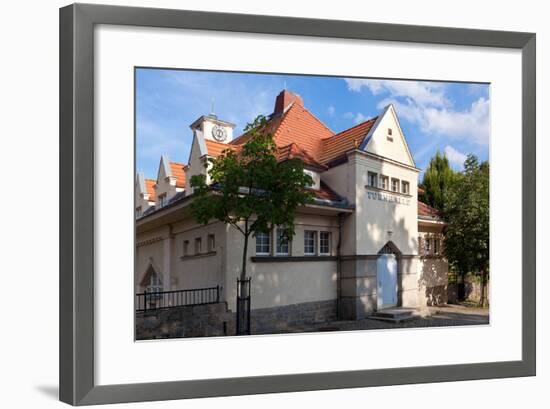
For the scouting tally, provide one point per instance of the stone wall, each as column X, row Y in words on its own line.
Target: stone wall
column 189, row 321
column 216, row 320
column 280, row 319
column 472, row 291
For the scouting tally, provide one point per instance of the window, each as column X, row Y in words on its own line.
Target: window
column 405, row 187
column 310, row 243
column 394, row 185
column 282, row 242
column 389, row 136
column 324, row 243
column 162, row 200
column 436, row 246
column 263, row 244
column 154, row 285
column 211, row 242
column 390, row 131
column 428, row 245
column 186, row 248
column 373, row 179
column 384, row 182
column 198, row 245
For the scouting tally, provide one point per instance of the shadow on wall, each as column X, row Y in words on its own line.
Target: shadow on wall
column 434, row 280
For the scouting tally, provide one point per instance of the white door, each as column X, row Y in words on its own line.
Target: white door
column 387, row 281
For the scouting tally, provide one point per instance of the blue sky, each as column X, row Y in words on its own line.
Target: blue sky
column 445, row 116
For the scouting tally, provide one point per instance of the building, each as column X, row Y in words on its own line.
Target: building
column 366, row 243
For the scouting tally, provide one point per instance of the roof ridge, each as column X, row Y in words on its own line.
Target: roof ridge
column 353, row 127
column 318, row 120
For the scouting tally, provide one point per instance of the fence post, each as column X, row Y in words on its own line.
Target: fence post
column 217, row 294
column 144, row 300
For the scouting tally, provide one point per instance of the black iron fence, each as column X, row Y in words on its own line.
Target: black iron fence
column 243, row 306
column 156, row 300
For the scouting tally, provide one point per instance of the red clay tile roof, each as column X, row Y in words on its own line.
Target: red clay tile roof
column 215, row 149
column 325, row 193
column 179, row 173
column 292, row 151
column 345, row 141
column 296, row 125
column 428, row 211
column 150, row 188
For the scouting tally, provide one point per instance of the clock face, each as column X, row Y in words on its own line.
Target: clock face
column 219, row 133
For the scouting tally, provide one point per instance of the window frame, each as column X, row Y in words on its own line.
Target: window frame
column 278, row 244
column 198, row 240
column 329, row 245
column 211, row 242
column 403, row 190
column 384, row 178
column 185, row 248
column 398, row 185
column 372, row 176
column 314, row 242
column 268, row 236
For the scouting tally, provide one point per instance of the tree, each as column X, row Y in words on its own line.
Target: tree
column 467, row 217
column 250, row 190
column 436, row 181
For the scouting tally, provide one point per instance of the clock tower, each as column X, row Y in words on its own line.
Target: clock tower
column 213, row 128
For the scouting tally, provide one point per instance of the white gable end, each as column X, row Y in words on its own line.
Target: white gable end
column 386, row 138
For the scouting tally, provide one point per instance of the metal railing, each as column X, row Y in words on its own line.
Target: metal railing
column 157, row 300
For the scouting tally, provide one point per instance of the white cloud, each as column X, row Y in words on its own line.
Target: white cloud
column 455, row 157
column 424, row 93
column 472, row 123
column 331, row 110
column 359, row 117
column 427, row 105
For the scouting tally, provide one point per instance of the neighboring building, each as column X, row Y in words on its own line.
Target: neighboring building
column 366, row 243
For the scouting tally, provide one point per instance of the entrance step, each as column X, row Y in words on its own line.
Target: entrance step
column 394, row 314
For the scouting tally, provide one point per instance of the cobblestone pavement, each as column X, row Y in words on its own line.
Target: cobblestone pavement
column 448, row 315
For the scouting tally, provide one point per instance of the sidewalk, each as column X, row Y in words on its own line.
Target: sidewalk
column 442, row 316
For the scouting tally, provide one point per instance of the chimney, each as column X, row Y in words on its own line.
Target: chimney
column 284, row 99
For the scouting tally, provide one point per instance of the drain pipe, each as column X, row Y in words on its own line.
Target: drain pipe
column 339, row 267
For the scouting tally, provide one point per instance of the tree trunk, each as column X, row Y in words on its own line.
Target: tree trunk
column 245, row 251
column 482, row 289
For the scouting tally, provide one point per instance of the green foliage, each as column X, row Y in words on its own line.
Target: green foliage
column 250, row 189
column 437, row 180
column 467, row 217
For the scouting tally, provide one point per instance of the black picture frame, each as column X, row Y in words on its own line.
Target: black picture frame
column 77, row 386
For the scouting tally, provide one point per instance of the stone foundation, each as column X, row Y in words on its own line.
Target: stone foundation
column 276, row 319
column 215, row 320
column 208, row 320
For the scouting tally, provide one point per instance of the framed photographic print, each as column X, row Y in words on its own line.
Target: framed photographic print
column 254, row 204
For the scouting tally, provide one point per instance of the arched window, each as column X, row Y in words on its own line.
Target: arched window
column 154, row 284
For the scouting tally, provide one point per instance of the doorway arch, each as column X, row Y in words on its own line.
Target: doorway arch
column 386, row 274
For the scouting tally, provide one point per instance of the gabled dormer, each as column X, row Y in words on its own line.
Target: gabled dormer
column 144, row 194
column 170, row 181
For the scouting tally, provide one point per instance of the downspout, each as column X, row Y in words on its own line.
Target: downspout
column 339, row 267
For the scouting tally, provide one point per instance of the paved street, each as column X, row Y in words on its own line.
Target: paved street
column 449, row 315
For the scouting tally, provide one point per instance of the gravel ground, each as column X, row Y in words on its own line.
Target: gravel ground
column 448, row 315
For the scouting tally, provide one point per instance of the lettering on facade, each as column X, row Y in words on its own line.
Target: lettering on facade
column 385, row 197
